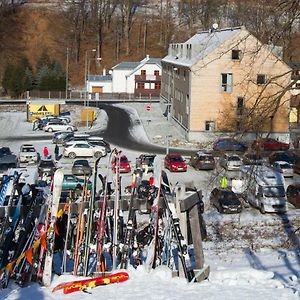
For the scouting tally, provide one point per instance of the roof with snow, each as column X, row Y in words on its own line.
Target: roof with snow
column 202, row 43
column 99, row 78
column 126, row 65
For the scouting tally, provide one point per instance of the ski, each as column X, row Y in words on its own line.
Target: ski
column 4, row 186
column 154, row 216
column 57, row 187
column 84, row 284
column 90, row 219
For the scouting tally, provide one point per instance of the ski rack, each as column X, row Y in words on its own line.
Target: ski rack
column 188, row 204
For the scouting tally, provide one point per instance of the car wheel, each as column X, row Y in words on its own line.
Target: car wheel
column 50, row 129
column 69, row 129
column 98, row 154
column 72, row 155
column 262, row 209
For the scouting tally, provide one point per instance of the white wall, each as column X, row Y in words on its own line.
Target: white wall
column 106, row 86
column 119, row 81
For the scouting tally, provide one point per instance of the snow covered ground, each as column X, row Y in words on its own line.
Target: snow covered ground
column 239, row 269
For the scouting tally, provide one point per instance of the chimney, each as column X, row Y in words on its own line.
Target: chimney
column 104, row 72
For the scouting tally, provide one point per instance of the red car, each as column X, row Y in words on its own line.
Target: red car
column 175, row 163
column 269, row 144
column 124, row 164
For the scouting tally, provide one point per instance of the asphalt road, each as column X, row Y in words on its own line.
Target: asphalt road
column 117, row 133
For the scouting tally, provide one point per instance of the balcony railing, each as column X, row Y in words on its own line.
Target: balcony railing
column 142, row 92
column 147, row 78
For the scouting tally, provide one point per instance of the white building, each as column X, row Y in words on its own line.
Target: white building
column 134, row 78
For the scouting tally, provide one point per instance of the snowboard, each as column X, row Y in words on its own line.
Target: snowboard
column 82, row 285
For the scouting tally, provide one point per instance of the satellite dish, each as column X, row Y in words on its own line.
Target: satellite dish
column 215, row 26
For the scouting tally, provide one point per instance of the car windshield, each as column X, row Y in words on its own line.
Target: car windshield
column 149, row 159
column 285, row 166
column 28, row 150
column 206, row 157
column 274, row 191
column 47, row 163
column 5, row 151
column 233, row 158
column 124, row 159
column 176, row 159
column 81, row 163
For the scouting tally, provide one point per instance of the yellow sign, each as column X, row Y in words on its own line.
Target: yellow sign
column 35, row 111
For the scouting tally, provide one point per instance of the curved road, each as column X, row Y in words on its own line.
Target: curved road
column 118, row 133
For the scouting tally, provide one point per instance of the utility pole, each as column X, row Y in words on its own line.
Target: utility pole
column 67, row 73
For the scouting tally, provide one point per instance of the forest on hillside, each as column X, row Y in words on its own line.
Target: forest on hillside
column 74, row 32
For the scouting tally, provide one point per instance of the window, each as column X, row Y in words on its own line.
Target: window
column 226, row 79
column 240, row 106
column 157, row 85
column 141, row 85
column 236, row 54
column 156, row 73
column 143, row 72
column 261, row 79
column 209, row 125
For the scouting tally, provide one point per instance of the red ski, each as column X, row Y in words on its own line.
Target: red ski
column 81, row 285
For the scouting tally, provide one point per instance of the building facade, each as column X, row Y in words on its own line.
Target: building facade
column 226, row 82
column 136, row 79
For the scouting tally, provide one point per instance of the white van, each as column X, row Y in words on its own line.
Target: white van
column 264, row 188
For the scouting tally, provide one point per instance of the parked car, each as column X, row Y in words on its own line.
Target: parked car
column 59, row 126
column 81, row 167
column 269, row 144
column 98, row 141
column 5, row 151
column 284, row 167
column 77, row 137
column 253, row 159
column 59, row 136
column 72, row 182
column 124, row 164
column 54, row 118
column 230, row 162
column 47, row 166
column 175, row 163
column 7, row 162
column 293, row 194
column 202, row 161
column 83, row 149
column 226, row 201
column 282, row 156
column 28, row 154
column 145, row 162
column 229, row 144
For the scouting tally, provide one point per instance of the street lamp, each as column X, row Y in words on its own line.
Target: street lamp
column 85, row 72
column 67, row 73
column 88, row 74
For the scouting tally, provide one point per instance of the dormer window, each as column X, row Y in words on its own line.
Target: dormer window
column 236, row 54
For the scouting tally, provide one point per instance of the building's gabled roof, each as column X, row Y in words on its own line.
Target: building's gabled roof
column 146, row 61
column 127, row 65
column 99, row 78
column 202, row 43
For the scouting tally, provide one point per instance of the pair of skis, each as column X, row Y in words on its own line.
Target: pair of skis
column 85, row 284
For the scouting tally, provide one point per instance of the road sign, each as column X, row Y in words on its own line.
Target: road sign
column 148, row 107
